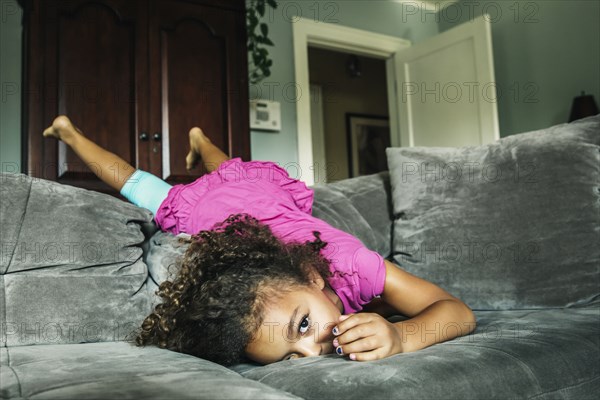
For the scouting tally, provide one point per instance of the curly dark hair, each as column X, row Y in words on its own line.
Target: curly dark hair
column 215, row 304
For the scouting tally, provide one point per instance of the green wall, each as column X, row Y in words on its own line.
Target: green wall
column 381, row 16
column 10, row 84
column 545, row 54
column 386, row 17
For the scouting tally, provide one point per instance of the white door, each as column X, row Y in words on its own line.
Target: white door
column 318, row 134
column 446, row 91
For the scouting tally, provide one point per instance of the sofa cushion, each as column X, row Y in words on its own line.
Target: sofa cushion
column 361, row 206
column 119, row 370
column 163, row 253
column 511, row 224
column 71, row 267
column 512, row 354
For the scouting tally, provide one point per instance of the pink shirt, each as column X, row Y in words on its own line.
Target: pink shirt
column 265, row 191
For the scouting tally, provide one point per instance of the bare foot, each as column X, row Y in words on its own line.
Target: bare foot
column 61, row 128
column 197, row 138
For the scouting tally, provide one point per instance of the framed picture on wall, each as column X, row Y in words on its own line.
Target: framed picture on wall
column 368, row 137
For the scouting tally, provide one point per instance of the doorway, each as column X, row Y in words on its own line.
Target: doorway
column 349, row 114
column 462, row 54
column 315, row 34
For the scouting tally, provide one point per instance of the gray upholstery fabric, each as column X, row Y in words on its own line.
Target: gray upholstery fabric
column 120, row 371
column 162, row 257
column 513, row 354
column 72, row 268
column 539, row 354
column 163, row 251
column 512, row 224
column 360, row 206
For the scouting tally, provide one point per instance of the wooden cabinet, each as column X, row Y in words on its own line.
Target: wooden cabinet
column 134, row 76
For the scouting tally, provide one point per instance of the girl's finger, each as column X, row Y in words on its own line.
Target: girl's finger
column 355, row 332
column 362, row 345
column 366, row 355
column 349, row 321
column 344, row 323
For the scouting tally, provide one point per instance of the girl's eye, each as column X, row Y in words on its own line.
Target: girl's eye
column 304, row 324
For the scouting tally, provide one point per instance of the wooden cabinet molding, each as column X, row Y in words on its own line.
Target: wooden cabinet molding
column 135, row 76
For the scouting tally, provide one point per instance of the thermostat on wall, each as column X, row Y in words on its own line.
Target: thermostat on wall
column 265, row 115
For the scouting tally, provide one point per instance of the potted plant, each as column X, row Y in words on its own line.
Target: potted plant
column 258, row 32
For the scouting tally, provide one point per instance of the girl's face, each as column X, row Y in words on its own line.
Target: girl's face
column 298, row 325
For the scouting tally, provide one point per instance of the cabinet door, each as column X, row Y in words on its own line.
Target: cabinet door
column 198, row 77
column 87, row 60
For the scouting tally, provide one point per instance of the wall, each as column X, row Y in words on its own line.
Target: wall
column 386, row 17
column 545, row 53
column 342, row 94
column 382, row 16
column 10, row 81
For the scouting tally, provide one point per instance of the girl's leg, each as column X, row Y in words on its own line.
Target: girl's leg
column 109, row 167
column 139, row 187
column 202, row 148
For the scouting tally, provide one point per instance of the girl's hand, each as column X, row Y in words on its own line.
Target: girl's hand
column 366, row 337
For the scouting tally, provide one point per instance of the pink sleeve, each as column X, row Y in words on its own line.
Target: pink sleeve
column 358, row 273
column 371, row 273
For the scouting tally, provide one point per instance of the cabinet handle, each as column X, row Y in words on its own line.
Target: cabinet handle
column 144, row 136
column 157, row 137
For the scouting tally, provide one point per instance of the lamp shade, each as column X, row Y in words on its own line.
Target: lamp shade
column 583, row 106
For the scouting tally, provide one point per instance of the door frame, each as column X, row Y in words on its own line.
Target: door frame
column 338, row 38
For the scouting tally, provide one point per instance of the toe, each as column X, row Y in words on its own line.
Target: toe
column 49, row 132
column 190, row 160
column 195, row 131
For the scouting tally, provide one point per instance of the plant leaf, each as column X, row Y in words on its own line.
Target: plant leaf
column 264, row 28
column 253, row 21
column 258, row 55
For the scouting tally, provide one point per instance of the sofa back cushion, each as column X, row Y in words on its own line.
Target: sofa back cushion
column 71, row 267
column 511, row 224
column 360, row 206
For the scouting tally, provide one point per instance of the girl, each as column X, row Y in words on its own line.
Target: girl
column 262, row 279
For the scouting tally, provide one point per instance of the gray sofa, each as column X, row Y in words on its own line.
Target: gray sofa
column 78, row 272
